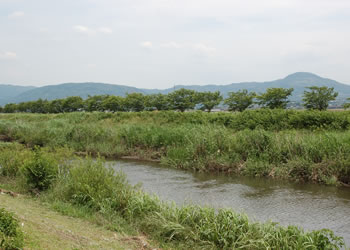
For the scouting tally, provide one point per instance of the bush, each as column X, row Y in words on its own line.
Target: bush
column 12, row 157
column 40, row 171
column 11, row 236
column 89, row 183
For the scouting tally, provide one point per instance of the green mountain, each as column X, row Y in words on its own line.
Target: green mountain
column 52, row 92
column 298, row 81
column 7, row 92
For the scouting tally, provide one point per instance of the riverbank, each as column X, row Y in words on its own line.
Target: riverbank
column 88, row 189
column 45, row 228
column 193, row 141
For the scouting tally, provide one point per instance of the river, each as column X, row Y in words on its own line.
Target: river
column 310, row 206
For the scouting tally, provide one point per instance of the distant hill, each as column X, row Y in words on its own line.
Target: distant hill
column 7, row 92
column 52, row 92
column 298, row 81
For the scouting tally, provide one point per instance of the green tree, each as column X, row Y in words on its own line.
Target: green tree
column 240, row 100
column 73, row 104
column 158, row 101
column 10, row 108
column 347, row 105
column 183, row 99
column 56, row 106
column 114, row 103
column 135, row 102
column 319, row 97
column 275, row 98
column 23, row 107
column 209, row 100
column 94, row 103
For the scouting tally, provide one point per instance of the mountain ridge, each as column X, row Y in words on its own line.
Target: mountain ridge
column 298, row 81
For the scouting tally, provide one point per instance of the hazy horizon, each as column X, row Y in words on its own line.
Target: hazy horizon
column 157, row 44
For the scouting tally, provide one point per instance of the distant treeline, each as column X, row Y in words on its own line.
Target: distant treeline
column 183, row 99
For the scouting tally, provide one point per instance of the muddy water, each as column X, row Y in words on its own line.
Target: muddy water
column 307, row 205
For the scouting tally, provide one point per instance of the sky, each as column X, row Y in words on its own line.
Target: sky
column 160, row 43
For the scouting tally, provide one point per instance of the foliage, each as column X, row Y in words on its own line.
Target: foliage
column 319, row 97
column 40, row 171
column 183, row 99
column 240, row 100
column 347, row 105
column 11, row 159
column 158, row 101
column 274, row 98
column 209, row 100
column 113, row 103
column 73, row 104
column 94, row 103
column 316, row 149
column 11, row 236
column 135, row 102
column 90, row 184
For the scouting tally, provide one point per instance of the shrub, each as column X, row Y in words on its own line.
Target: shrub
column 11, row 236
column 40, row 171
column 12, row 157
column 89, row 183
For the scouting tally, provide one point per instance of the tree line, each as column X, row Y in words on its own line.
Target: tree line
column 183, row 99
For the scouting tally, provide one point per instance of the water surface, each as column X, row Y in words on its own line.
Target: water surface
column 310, row 206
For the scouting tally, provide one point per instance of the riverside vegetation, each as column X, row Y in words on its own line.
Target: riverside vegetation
column 285, row 144
column 87, row 188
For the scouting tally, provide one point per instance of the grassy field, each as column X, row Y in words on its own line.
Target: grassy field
column 286, row 144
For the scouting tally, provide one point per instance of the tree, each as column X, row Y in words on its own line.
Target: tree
column 73, row 104
column 113, row 103
column 94, row 103
column 347, row 105
column 10, row 108
column 183, row 99
column 275, row 98
column 158, row 101
column 135, row 102
column 56, row 106
column 240, row 100
column 209, row 100
column 318, row 97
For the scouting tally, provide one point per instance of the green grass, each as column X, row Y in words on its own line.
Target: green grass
column 194, row 141
column 87, row 189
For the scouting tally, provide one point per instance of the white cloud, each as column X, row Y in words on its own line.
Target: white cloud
column 84, row 30
column 172, row 45
column 90, row 31
column 146, row 45
column 8, row 55
column 105, row 30
column 16, row 14
column 203, row 48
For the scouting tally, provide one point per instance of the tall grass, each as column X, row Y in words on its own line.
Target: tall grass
column 90, row 183
column 321, row 156
column 94, row 188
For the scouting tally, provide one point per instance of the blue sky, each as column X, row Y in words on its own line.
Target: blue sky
column 159, row 43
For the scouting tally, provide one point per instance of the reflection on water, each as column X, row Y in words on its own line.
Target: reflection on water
column 307, row 205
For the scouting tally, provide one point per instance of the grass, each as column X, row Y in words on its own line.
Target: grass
column 46, row 229
column 194, row 141
column 87, row 189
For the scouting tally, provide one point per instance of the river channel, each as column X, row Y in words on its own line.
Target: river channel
column 310, row 206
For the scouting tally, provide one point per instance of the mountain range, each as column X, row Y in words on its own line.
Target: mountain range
column 299, row 81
